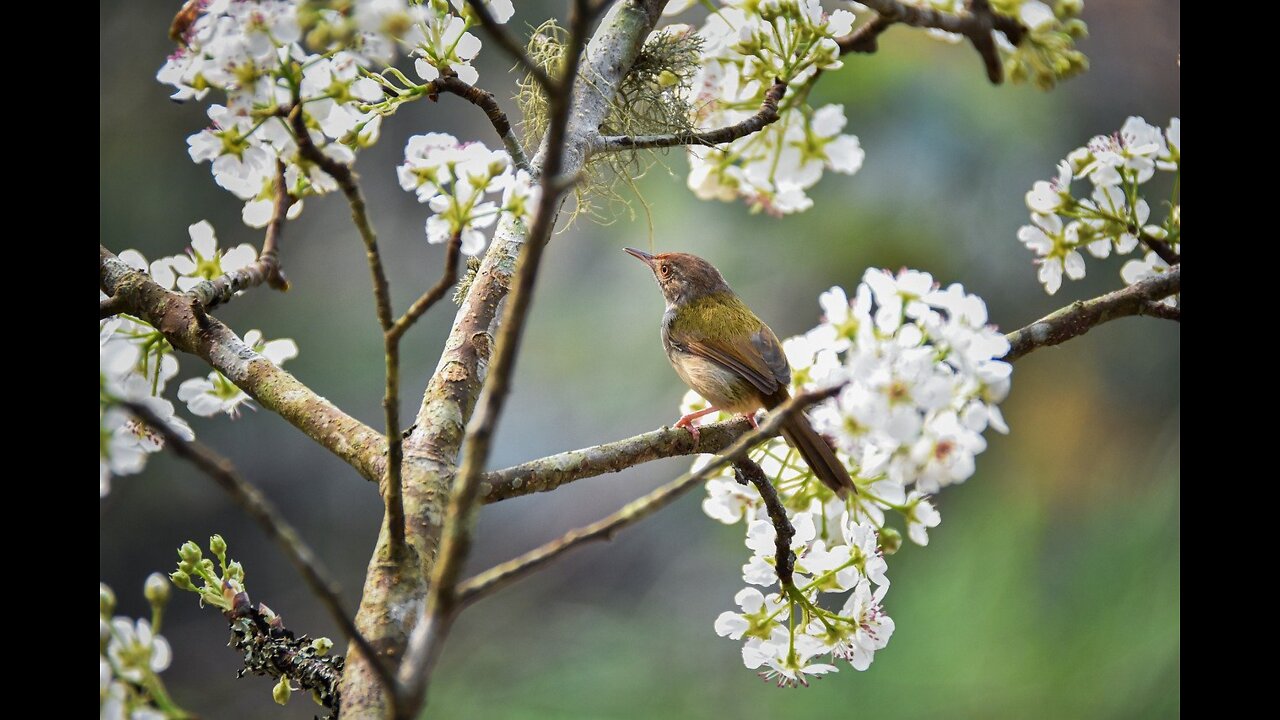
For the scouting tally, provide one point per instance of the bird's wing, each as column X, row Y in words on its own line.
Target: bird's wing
column 757, row 357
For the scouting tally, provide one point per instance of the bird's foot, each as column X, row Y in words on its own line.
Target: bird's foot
column 751, row 418
column 686, row 421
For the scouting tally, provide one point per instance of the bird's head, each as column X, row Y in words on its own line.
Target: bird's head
column 682, row 277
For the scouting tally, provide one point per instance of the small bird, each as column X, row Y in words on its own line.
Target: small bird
column 729, row 356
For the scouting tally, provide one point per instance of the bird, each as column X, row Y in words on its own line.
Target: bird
column 726, row 354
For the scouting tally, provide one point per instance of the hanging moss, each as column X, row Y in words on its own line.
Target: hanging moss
column 651, row 99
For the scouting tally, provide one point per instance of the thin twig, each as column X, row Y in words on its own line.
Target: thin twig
column 266, row 269
column 866, row 38
column 256, row 505
column 1161, row 248
column 441, row 608
column 513, row 48
column 1079, row 317
column 1160, row 310
column 767, row 115
column 746, row 471
column 512, row 570
column 111, row 306
column 976, row 26
column 346, row 179
column 484, row 100
column 984, row 42
column 271, row 650
column 448, row 277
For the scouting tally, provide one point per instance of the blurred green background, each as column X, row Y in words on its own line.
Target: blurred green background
column 1051, row 587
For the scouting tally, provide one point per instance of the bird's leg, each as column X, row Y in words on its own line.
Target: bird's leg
column 686, row 421
column 751, row 418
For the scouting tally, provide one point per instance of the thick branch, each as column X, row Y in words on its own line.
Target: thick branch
column 424, row 644
column 512, row 48
column 767, row 115
column 391, row 604
column 256, row 505
column 547, row 474
column 1081, row 316
column 188, row 328
column 635, row 511
column 486, row 102
column 266, row 269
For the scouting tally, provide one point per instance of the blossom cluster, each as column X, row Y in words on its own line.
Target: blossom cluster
column 136, row 362
column 253, row 52
column 747, row 45
column 131, row 655
column 1115, row 216
column 454, row 179
column 921, row 380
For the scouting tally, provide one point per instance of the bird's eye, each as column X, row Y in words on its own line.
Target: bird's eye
column 665, row 270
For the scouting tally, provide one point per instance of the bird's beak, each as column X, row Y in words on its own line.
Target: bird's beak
column 645, row 257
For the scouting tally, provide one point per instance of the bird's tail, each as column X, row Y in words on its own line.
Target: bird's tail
column 818, row 454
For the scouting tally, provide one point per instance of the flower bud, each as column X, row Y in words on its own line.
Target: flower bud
column 156, row 589
column 1069, row 8
column 182, row 580
column 281, row 692
column 190, row 552
column 217, row 545
column 106, row 600
column 890, row 540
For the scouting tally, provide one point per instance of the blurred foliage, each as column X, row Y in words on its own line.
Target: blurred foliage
column 1051, row 587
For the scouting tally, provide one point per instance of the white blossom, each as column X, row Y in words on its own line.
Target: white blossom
column 204, row 260
column 1114, row 217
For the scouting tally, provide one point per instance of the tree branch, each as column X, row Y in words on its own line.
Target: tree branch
column 110, row 306
column 346, row 179
column 428, row 636
column 1161, row 248
column 866, row 38
column 266, row 269
column 767, row 115
column 453, row 251
column 747, row 471
column 512, row 48
column 548, row 473
column 391, row 604
column 188, row 328
column 1081, row 316
column 977, row 26
column 271, row 650
column 635, row 511
column 486, row 102
column 256, row 505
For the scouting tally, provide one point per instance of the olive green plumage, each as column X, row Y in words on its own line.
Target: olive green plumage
column 729, row 356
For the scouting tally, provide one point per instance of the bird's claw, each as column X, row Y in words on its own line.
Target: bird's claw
column 687, row 422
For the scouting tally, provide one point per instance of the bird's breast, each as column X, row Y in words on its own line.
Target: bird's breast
column 721, row 386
